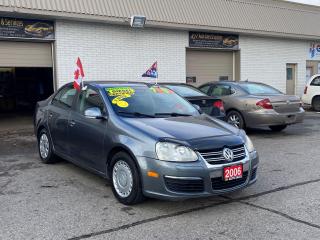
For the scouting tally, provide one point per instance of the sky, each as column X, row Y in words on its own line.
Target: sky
column 311, row 2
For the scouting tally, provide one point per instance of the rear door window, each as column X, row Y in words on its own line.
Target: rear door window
column 65, row 97
column 257, row 88
column 205, row 89
column 222, row 90
column 186, row 91
column 315, row 82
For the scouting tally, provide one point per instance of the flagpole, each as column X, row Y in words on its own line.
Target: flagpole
column 157, row 74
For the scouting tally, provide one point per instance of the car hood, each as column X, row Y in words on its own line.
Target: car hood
column 192, row 130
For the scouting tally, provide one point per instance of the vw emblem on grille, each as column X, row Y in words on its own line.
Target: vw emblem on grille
column 288, row 102
column 228, row 154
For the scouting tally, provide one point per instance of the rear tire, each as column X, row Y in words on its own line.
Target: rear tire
column 235, row 118
column 126, row 182
column 45, row 148
column 278, row 128
column 316, row 103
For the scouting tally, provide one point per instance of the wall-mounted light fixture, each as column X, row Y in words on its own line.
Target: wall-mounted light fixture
column 137, row 21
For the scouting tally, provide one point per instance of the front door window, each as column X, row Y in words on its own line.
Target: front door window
column 90, row 99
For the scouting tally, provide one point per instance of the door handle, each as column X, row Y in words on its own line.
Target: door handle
column 72, row 123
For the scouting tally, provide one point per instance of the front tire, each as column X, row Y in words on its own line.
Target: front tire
column 278, row 128
column 126, row 183
column 45, row 148
column 316, row 103
column 235, row 118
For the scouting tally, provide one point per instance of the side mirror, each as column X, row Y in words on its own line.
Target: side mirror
column 93, row 113
column 198, row 108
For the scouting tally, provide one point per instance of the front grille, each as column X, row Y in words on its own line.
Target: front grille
column 220, row 184
column 183, row 185
column 253, row 174
column 215, row 156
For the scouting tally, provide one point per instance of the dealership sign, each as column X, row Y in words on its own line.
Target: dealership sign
column 26, row 28
column 314, row 50
column 213, row 40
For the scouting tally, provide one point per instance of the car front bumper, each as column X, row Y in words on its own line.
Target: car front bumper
column 265, row 118
column 186, row 175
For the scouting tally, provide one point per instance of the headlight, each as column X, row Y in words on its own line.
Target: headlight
column 175, row 153
column 249, row 144
column 247, row 141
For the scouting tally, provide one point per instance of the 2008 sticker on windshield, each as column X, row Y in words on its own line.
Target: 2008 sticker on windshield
column 120, row 93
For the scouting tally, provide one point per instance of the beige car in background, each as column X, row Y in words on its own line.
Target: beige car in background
column 254, row 105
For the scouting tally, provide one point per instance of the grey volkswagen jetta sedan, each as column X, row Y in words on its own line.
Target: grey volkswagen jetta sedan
column 147, row 140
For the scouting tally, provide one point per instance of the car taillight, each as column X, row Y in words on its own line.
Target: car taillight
column 265, row 103
column 219, row 104
column 305, row 90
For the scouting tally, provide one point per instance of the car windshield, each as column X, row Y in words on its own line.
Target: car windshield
column 257, row 88
column 186, row 91
column 146, row 101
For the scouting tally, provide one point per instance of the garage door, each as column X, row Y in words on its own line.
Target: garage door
column 25, row 54
column 207, row 66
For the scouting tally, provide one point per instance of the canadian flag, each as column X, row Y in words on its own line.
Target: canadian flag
column 78, row 75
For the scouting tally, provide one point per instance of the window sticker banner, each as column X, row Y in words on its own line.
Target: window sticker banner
column 26, row 28
column 213, row 40
column 314, row 50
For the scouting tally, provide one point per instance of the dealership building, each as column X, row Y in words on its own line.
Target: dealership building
column 269, row 41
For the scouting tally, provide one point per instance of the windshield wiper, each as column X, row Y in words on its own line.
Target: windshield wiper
column 173, row 114
column 137, row 114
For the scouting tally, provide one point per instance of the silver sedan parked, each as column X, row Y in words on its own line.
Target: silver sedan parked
column 252, row 104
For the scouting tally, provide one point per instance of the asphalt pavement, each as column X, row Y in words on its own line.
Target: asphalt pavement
column 62, row 201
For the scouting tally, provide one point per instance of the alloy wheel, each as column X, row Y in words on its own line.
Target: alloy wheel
column 234, row 120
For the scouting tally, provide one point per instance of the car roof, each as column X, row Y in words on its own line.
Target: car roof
column 117, row 83
column 177, row 84
column 174, row 83
column 232, row 82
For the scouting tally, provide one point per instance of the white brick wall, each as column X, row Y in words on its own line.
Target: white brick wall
column 121, row 53
column 265, row 59
column 118, row 53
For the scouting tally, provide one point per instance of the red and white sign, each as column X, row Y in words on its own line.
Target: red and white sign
column 78, row 75
column 232, row 172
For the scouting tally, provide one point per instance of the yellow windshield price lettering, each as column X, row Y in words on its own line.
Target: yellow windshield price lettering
column 120, row 93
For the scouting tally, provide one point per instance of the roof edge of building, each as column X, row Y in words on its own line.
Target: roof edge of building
column 53, row 15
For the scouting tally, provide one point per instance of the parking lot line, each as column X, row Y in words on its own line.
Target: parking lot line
column 228, row 201
column 281, row 214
